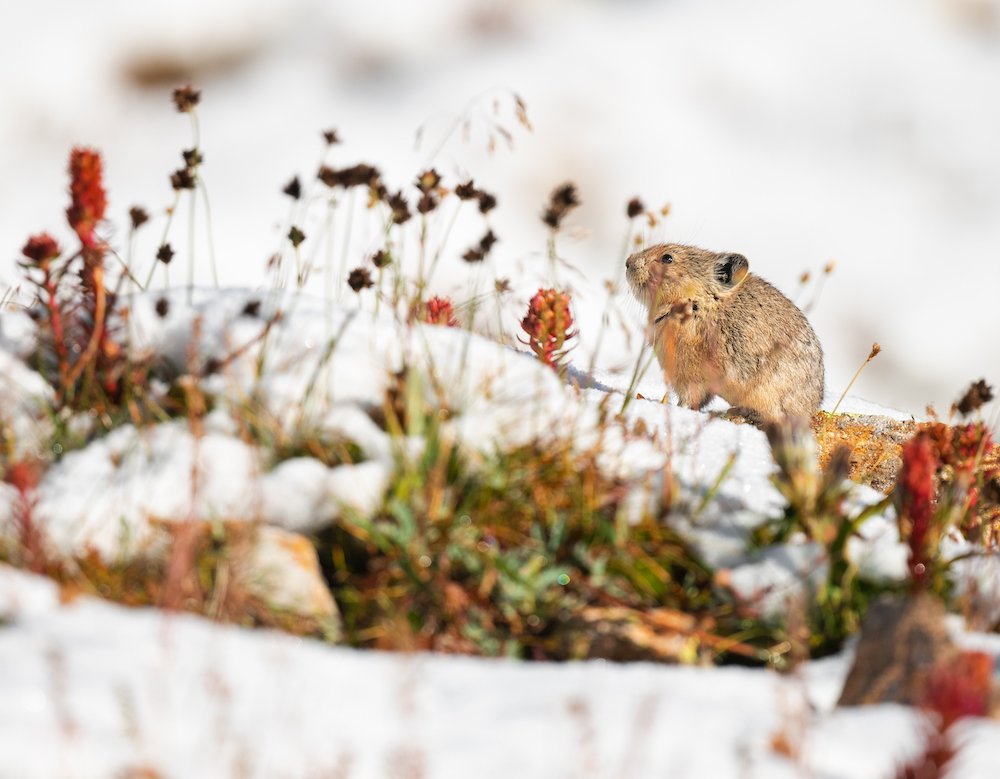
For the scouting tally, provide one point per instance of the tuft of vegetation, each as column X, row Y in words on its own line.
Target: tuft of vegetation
column 527, row 554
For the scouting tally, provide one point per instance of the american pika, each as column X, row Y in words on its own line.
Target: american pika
column 720, row 330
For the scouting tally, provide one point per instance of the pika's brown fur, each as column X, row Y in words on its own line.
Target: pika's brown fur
column 720, row 330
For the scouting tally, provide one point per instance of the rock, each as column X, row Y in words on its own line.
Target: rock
column 282, row 573
column 901, row 640
column 875, row 443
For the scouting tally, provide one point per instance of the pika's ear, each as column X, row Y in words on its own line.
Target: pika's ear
column 731, row 269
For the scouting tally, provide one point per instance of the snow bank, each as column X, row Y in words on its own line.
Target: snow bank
column 93, row 689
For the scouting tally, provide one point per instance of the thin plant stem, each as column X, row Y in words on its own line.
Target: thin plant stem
column 553, row 259
column 871, row 356
column 347, row 237
column 638, row 372
column 163, row 240
column 208, row 230
column 191, row 242
column 444, row 241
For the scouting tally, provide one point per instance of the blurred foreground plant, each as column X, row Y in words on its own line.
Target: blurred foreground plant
column 816, row 508
column 80, row 352
column 957, row 687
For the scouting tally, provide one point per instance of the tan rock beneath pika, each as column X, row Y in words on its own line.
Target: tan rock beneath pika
column 720, row 330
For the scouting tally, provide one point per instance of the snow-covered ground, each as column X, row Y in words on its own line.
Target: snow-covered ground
column 95, row 690
column 793, row 132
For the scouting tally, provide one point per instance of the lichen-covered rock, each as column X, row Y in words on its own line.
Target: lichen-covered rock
column 875, row 443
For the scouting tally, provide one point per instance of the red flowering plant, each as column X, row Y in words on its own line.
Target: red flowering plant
column 438, row 311
column 957, row 687
column 549, row 327
column 945, row 484
column 88, row 198
column 77, row 351
column 920, row 525
column 968, row 478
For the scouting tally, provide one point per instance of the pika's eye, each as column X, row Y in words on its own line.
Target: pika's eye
column 667, row 258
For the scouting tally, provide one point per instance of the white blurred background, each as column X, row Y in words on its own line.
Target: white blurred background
column 866, row 132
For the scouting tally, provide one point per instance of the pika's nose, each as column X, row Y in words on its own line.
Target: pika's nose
column 628, row 264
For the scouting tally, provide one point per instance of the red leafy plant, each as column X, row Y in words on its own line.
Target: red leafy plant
column 78, row 352
column 549, row 327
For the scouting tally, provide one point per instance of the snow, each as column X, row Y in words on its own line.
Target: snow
column 94, row 689
column 795, row 135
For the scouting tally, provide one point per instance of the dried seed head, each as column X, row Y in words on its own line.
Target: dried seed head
column 360, row 279
column 293, row 189
column 478, row 253
column 561, row 202
column 193, row 157
column 804, row 278
column 162, row 307
column 381, row 259
column 976, row 396
column 360, row 175
column 331, row 137
column 634, row 208
column 428, row 180
column 487, row 241
column 400, row 208
column 41, row 249
column 139, row 216
column 377, row 191
column 502, row 286
column 251, row 309
column 296, row 236
column 467, row 191
column 876, row 348
column 186, row 98
column 428, row 202
column 521, row 111
column 182, row 178
column 487, row 202
column 165, row 254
